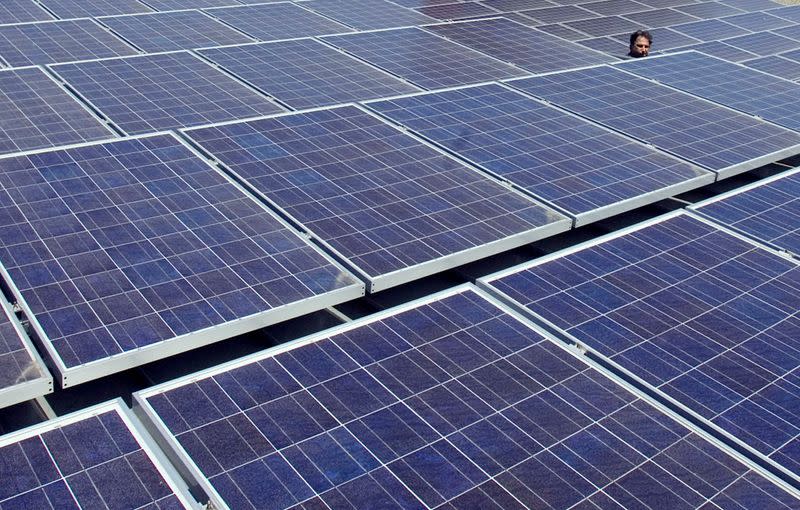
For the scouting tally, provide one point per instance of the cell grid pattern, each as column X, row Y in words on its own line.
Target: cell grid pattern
column 17, row 366
column 368, row 14
column 615, row 7
column 22, row 11
column 65, row 9
column 523, row 46
column 757, row 21
column 271, row 22
column 457, row 10
column 179, row 30
column 421, row 3
column 37, row 113
column 556, row 156
column 517, row 5
column 659, row 18
column 754, row 5
column 663, row 39
column 770, row 212
column 562, row 31
column 709, row 319
column 736, row 86
column 719, row 50
column 58, row 41
column 763, row 43
column 709, row 10
column 121, row 245
column 451, row 404
column 95, row 462
column 792, row 13
column 422, row 58
column 383, row 200
column 792, row 32
column 710, row 29
column 171, row 5
column 776, row 65
column 607, row 25
column 610, row 45
column 163, row 91
column 559, row 14
column 306, row 73
column 699, row 131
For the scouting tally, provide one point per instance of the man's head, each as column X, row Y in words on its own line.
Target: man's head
column 640, row 44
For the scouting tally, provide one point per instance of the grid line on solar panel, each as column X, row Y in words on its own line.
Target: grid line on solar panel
column 47, row 42
column 659, row 18
column 95, row 458
column 606, row 44
column 704, row 316
column 709, row 10
column 710, row 29
column 423, row 58
column 614, row 7
column 776, row 65
column 767, row 210
column 558, row 30
column 148, row 93
column 516, row 5
column 177, row 30
column 736, row 86
column 757, row 21
column 128, row 251
column 282, row 20
column 763, row 43
column 451, row 401
column 666, row 38
column 607, row 25
column 457, row 10
column 306, row 73
column 65, row 9
column 586, row 170
column 718, row 49
column 710, row 135
column 38, row 113
column 753, row 5
column 791, row 13
column 523, row 46
column 558, row 14
column 23, row 375
column 392, row 206
column 22, row 11
column 368, row 14
column 172, row 5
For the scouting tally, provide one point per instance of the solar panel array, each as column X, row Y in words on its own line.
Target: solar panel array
column 23, row 375
column 65, row 9
column 392, row 206
column 451, row 402
column 368, row 14
column 92, row 459
column 22, row 11
column 585, row 170
column 283, row 20
column 699, row 131
column 117, row 250
column 704, row 316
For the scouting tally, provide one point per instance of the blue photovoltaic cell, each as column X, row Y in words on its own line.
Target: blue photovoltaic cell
column 156, row 92
column 707, row 318
column 37, row 113
column 122, row 245
column 556, row 156
column 709, row 10
column 87, row 8
column 270, row 22
column 368, row 14
column 22, row 11
column 736, row 86
column 770, row 212
column 456, row 11
column 763, row 43
column 18, row 367
column 559, row 14
column 90, row 459
column 305, row 73
column 453, row 402
column 697, row 130
column 170, row 5
column 614, row 7
column 659, row 18
column 757, row 21
column 776, row 65
column 424, row 59
column 710, row 29
column 166, row 31
column 523, row 46
column 380, row 198
column 720, row 50
column 58, row 41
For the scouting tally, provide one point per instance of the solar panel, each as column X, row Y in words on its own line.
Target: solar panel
column 563, row 32
column 659, row 17
column 178, row 30
column 767, row 210
column 420, row 3
column 664, row 39
column 586, row 170
column 712, row 136
column 305, row 73
column 757, row 21
column 58, row 41
column 22, row 11
column 170, row 5
column 516, row 5
column 23, row 375
column 606, row 44
column 753, row 5
column 707, row 318
column 558, row 14
column 162, row 91
column 763, row 43
column 614, row 7
column 38, row 113
column 461, row 10
column 792, row 32
column 451, row 403
column 736, row 86
column 129, row 251
column 720, row 50
column 428, row 61
column 395, row 208
column 792, row 55
column 522, row 46
column 95, row 458
column 708, row 10
column 710, row 29
column 607, row 25
column 88, row 8
column 271, row 22
column 792, row 13
column 776, row 65
column 368, row 14
column 661, row 4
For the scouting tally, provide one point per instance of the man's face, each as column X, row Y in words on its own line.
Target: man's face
column 640, row 47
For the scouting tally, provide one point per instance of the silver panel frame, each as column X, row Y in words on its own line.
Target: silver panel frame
column 579, row 219
column 194, row 477
column 70, row 376
column 764, row 463
column 376, row 283
column 134, row 426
